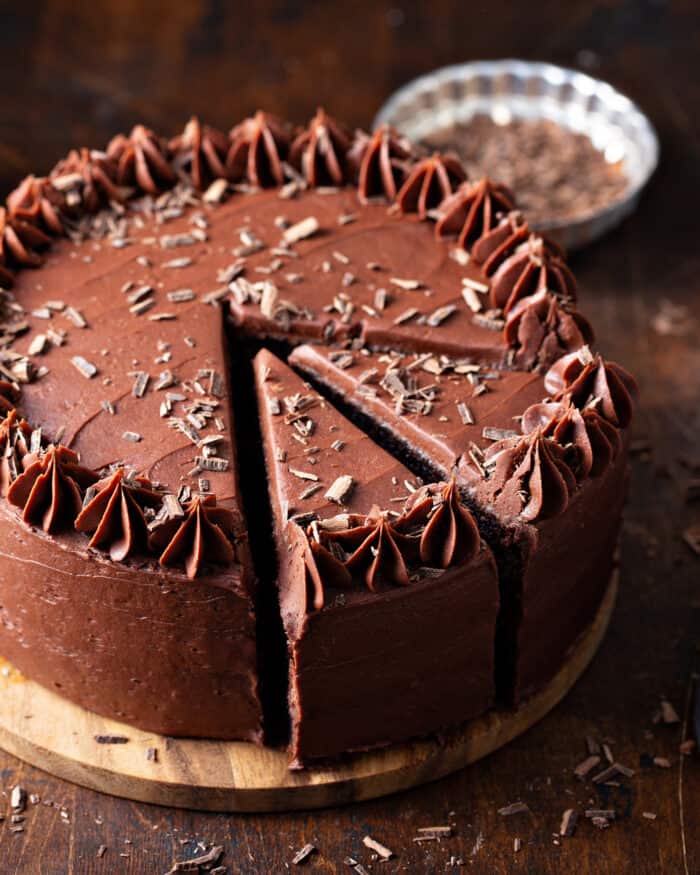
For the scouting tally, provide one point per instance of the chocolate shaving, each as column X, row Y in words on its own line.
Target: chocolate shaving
column 303, row 854
column 568, row 823
column 207, row 860
column 340, row 489
column 513, row 808
column 377, row 847
column 86, row 368
column 301, row 230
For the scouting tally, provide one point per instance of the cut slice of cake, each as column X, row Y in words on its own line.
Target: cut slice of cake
column 379, row 591
column 435, row 406
column 554, row 550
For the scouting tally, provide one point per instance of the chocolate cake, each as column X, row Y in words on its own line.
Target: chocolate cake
column 370, row 588
column 444, row 496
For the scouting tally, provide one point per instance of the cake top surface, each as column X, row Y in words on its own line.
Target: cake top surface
column 115, row 353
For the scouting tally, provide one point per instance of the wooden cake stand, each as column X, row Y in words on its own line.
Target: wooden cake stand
column 55, row 735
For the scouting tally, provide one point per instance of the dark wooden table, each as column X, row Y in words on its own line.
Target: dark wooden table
column 77, row 73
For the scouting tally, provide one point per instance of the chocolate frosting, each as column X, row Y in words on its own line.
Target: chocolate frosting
column 541, row 330
column 15, row 443
column 258, row 146
column 430, row 181
column 200, row 152
column 382, row 163
column 590, row 380
column 591, row 443
column 376, row 549
column 450, row 536
column 86, row 180
column 473, row 210
column 527, row 477
column 435, row 529
column 495, row 245
column 36, row 202
column 536, row 264
column 141, row 161
column 322, row 569
column 9, row 395
column 50, row 490
column 204, row 534
column 320, row 151
column 19, row 245
column 114, row 513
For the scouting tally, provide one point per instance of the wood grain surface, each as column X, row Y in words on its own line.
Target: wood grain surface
column 76, row 72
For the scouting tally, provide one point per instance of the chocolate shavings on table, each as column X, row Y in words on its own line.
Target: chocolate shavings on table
column 211, row 858
column 433, row 833
column 568, row 823
column 377, row 847
column 513, row 808
column 357, row 867
column 303, row 854
column 111, row 739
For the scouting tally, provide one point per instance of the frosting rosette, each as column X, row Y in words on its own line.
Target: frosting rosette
column 36, row 202
column 526, row 477
column 258, row 147
column 50, row 490
column 199, row 152
column 429, row 182
column 320, row 151
column 590, row 380
column 15, row 449
column 203, row 533
column 535, row 265
column 450, row 535
column 20, row 244
column 541, row 330
column 113, row 512
column 382, row 163
column 589, row 441
column 85, row 179
column 141, row 161
column 495, row 245
column 472, row 211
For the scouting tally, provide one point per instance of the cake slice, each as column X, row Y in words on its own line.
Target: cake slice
column 550, row 509
column 378, row 585
column 434, row 406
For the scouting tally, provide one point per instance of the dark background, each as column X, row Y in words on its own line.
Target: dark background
column 76, row 73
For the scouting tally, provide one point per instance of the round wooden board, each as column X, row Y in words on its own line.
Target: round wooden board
column 55, row 735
